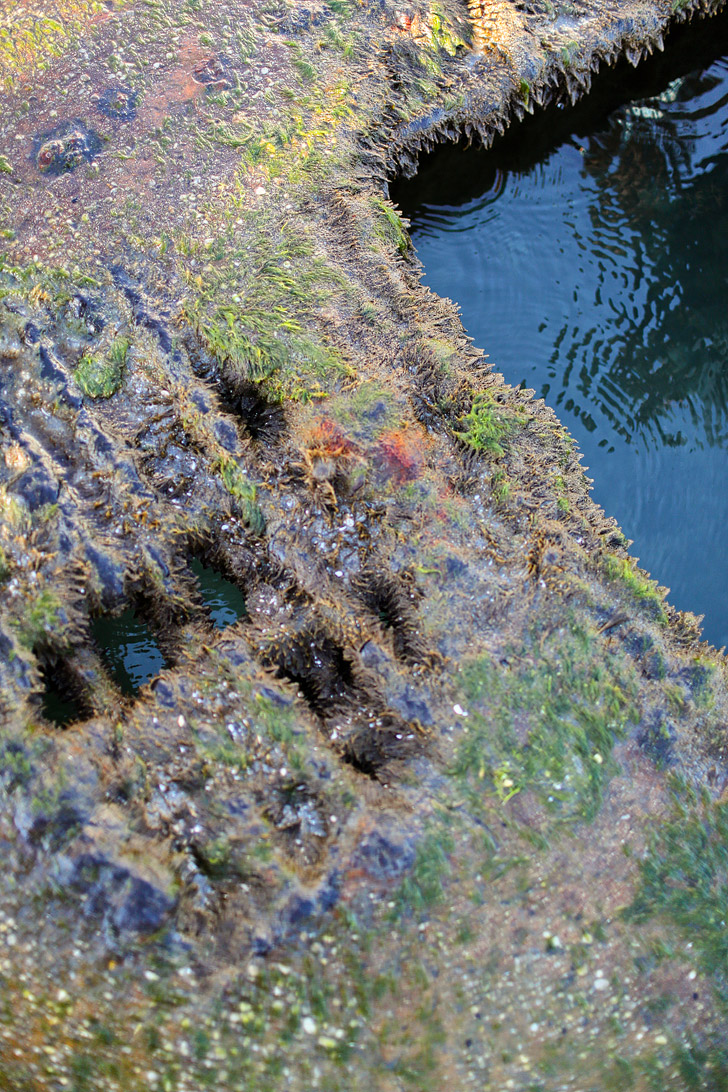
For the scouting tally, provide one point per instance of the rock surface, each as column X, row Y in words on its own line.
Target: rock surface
column 446, row 806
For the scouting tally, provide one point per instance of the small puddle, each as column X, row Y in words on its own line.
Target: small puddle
column 589, row 254
column 130, row 652
column 223, row 600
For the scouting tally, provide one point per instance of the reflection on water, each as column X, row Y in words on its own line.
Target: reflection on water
column 129, row 649
column 223, row 599
column 597, row 274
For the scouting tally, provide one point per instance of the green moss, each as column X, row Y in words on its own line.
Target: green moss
column 101, row 376
column 546, row 723
column 488, row 425
column 624, row 570
column 5, row 165
column 255, row 323
column 389, row 226
column 234, row 479
column 684, row 878
column 501, row 486
column 423, row 886
column 444, row 35
column 40, row 620
column 4, row 565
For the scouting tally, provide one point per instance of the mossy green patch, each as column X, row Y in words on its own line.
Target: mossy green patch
column 546, row 722
column 101, row 376
column 423, row 886
column 256, row 323
column 684, row 878
column 488, row 425
column 626, row 571
column 239, row 487
column 40, row 620
column 389, row 226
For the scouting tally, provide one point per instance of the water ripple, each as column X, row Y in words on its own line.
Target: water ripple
column 598, row 275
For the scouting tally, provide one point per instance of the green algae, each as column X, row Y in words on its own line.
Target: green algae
column 102, row 376
column 261, row 333
column 684, row 879
column 624, row 570
column 41, row 620
column 546, row 724
column 488, row 425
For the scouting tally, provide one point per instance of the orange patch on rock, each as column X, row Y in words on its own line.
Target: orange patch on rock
column 327, row 438
column 179, row 85
column 401, row 454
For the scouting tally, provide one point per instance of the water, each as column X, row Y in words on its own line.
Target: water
column 223, row 600
column 129, row 649
column 589, row 254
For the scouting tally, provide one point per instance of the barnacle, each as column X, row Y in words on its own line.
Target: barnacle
column 65, row 148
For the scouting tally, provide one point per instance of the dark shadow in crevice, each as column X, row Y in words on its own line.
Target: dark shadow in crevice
column 374, row 746
column 389, row 597
column 65, row 699
column 319, row 667
column 263, row 419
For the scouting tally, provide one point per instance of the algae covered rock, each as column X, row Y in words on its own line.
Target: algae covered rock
column 411, row 815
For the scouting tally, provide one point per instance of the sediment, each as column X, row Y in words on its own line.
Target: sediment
column 446, row 805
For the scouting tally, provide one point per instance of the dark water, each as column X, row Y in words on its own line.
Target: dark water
column 589, row 254
column 129, row 649
column 224, row 600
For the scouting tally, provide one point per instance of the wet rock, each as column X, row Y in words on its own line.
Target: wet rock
column 409, row 703
column 383, row 859
column 455, row 568
column 226, row 436
column 65, row 148
column 656, row 737
column 110, row 573
column 299, row 909
column 117, row 103
column 274, row 696
column 214, row 73
column 164, row 693
column 51, row 821
column 372, row 655
column 303, row 19
column 36, row 487
column 201, row 401
column 123, row 901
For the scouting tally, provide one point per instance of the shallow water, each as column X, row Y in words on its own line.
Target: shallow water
column 129, row 649
column 589, row 254
column 223, row 600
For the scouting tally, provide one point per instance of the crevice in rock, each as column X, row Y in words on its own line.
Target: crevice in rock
column 65, row 699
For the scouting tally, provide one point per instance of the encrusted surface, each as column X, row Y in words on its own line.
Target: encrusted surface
column 445, row 807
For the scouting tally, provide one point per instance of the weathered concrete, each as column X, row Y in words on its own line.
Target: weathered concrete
column 444, row 809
